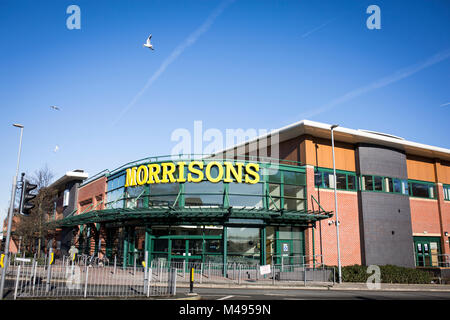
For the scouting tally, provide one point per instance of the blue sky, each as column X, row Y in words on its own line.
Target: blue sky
column 250, row 64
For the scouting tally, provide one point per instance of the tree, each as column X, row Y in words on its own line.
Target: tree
column 32, row 227
column 42, row 177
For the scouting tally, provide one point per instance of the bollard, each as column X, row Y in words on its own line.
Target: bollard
column 174, row 283
column 115, row 263
column 304, row 268
column 34, row 275
column 86, row 282
column 257, row 271
column 150, row 274
column 17, row 282
column 273, row 273
column 146, row 269
column 49, row 268
column 191, row 281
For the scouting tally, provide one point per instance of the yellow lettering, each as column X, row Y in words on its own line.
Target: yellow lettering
column 250, row 172
column 231, row 170
column 208, row 171
column 168, row 172
column 181, row 177
column 142, row 175
column 198, row 172
column 131, row 177
column 154, row 170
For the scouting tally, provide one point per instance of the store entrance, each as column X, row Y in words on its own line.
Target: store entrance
column 427, row 250
column 186, row 250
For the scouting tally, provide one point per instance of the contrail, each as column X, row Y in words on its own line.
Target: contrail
column 445, row 104
column 383, row 82
column 317, row 28
column 189, row 41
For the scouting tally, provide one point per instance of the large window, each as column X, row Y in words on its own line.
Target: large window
column 286, row 190
column 163, row 194
column 384, row 184
column 115, row 195
column 246, row 195
column 277, row 189
column 422, row 189
column 203, row 194
column 275, row 196
column 244, row 245
column 446, row 192
column 136, row 196
column 367, row 183
column 324, row 178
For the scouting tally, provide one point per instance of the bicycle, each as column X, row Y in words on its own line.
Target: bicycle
column 102, row 262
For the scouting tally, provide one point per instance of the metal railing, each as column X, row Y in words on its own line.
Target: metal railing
column 443, row 260
column 77, row 278
column 31, row 279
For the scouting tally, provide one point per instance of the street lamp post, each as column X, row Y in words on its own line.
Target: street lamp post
column 10, row 214
column 336, row 205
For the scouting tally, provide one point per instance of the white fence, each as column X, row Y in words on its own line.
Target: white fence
column 31, row 279
column 78, row 278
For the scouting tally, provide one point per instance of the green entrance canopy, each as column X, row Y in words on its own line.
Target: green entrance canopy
column 195, row 216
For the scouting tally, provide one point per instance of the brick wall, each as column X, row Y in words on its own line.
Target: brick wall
column 349, row 229
column 92, row 195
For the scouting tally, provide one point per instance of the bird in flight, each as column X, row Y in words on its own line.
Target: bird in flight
column 55, row 108
column 148, row 44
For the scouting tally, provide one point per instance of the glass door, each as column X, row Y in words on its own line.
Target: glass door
column 189, row 250
column 195, row 252
column 285, row 252
column 178, row 250
column 427, row 251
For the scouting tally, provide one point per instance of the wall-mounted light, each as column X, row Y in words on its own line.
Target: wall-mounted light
column 446, row 233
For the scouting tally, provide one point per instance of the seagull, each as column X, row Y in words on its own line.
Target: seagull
column 148, row 44
column 55, row 108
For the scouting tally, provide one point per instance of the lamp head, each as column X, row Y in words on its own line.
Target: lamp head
column 18, row 125
column 334, row 126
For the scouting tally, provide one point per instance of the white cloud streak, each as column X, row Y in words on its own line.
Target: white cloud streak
column 316, row 28
column 189, row 41
column 380, row 83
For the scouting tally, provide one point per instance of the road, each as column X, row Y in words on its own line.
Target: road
column 295, row 294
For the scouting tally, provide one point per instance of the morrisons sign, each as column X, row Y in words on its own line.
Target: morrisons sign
column 169, row 172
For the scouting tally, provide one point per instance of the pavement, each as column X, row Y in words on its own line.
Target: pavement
column 183, row 293
column 327, row 286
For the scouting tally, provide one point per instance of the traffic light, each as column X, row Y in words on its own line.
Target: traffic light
column 25, row 199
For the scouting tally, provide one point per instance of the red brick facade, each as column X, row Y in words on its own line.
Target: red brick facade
column 325, row 240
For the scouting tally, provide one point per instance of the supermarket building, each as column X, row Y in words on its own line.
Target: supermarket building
column 393, row 203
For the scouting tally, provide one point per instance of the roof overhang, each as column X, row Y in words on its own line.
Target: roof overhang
column 353, row 136
column 69, row 177
column 201, row 216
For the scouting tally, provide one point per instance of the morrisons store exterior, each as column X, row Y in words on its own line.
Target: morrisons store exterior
column 261, row 207
column 208, row 210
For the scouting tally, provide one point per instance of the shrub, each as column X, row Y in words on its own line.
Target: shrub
column 389, row 274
